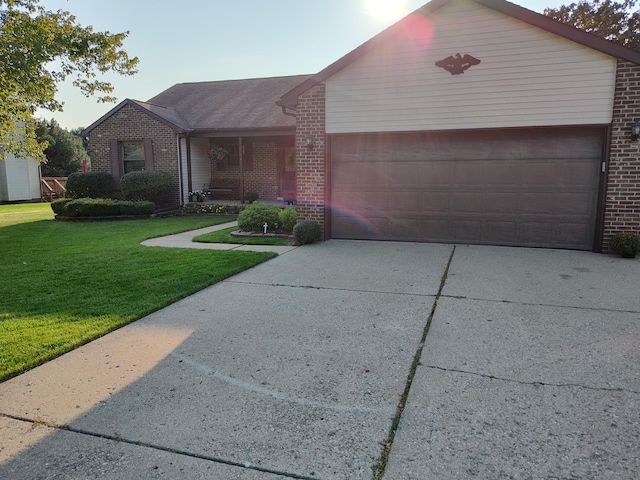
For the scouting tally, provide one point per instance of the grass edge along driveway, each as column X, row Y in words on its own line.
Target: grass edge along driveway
column 66, row 283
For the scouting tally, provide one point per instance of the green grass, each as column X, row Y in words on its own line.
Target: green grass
column 224, row 236
column 64, row 284
column 24, row 212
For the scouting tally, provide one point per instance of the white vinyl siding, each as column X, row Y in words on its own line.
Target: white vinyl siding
column 19, row 179
column 527, row 77
column 200, row 165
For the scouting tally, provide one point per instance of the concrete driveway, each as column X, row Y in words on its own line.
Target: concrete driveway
column 299, row 368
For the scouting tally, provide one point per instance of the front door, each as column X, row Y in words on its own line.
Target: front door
column 287, row 170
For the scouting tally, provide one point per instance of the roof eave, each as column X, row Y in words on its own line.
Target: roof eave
column 176, row 128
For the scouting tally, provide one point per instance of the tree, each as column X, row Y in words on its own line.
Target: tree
column 39, row 49
column 65, row 150
column 612, row 20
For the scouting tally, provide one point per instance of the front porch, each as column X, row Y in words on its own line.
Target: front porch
column 216, row 169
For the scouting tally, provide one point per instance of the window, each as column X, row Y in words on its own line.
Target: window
column 133, row 156
column 231, row 146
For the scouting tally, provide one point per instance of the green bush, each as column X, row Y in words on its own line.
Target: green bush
column 102, row 207
column 58, row 205
column 251, row 196
column 625, row 244
column 89, row 185
column 252, row 218
column 151, row 186
column 307, row 231
column 288, row 218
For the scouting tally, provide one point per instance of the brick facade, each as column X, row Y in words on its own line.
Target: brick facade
column 622, row 204
column 130, row 124
column 311, row 174
column 263, row 177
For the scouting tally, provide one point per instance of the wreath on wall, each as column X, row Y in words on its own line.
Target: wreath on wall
column 217, row 154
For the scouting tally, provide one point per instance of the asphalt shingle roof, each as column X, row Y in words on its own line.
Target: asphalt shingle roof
column 226, row 105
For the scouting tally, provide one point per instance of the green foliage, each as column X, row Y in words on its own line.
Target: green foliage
column 39, row 49
column 615, row 21
column 59, row 205
column 103, row 207
column 90, row 185
column 307, row 231
column 212, row 208
column 153, row 186
column 251, row 196
column 252, row 218
column 625, row 244
column 65, row 150
column 288, row 218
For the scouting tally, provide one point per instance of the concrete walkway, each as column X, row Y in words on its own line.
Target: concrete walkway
column 185, row 240
column 494, row 362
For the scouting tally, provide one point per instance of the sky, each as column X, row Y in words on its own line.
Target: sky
column 206, row 40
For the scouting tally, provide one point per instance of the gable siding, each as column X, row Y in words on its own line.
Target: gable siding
column 527, row 77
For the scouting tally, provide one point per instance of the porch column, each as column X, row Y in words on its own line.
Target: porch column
column 241, row 157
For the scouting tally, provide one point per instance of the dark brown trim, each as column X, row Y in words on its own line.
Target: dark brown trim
column 148, row 154
column 257, row 132
column 116, row 168
column 241, row 167
column 290, row 99
column 598, row 236
column 327, row 188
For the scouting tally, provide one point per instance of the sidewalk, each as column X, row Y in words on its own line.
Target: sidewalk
column 185, row 240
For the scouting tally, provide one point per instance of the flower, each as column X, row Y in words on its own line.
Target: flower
column 217, row 153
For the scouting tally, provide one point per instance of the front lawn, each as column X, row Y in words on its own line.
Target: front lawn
column 65, row 284
column 224, row 236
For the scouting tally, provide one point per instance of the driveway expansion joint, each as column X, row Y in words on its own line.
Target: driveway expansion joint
column 381, row 464
column 184, row 453
column 540, row 384
column 551, row 305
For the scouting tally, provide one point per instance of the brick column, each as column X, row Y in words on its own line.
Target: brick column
column 310, row 174
column 622, row 204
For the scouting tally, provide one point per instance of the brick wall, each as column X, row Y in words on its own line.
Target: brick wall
column 130, row 124
column 263, row 178
column 311, row 175
column 622, row 205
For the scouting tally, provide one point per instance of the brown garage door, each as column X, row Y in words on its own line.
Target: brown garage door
column 529, row 187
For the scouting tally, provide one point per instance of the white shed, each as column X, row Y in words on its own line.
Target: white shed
column 19, row 179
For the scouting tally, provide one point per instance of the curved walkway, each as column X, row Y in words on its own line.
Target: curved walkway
column 185, row 240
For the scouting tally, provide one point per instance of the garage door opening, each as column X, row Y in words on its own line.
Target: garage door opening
column 518, row 187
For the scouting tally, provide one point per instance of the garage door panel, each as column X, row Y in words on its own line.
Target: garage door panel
column 434, row 173
column 506, row 203
column 405, row 175
column 499, row 232
column 434, row 202
column 530, row 187
column 466, row 202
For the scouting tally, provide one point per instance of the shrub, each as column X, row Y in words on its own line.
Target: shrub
column 252, row 218
column 288, row 218
column 251, row 196
column 58, row 205
column 102, row 207
column 89, row 185
column 151, row 186
column 625, row 244
column 307, row 231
